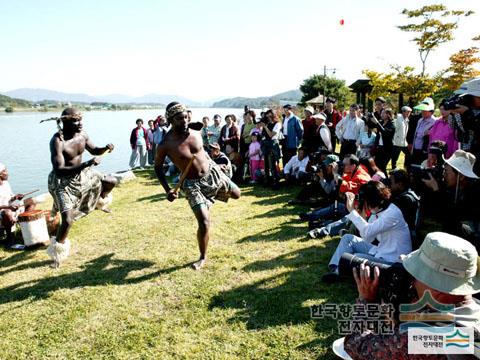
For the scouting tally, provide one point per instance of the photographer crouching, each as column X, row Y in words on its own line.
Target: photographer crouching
column 447, row 267
column 385, row 224
column 454, row 201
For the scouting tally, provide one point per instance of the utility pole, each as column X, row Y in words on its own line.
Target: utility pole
column 333, row 70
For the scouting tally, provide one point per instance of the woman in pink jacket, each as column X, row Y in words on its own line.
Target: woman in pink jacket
column 442, row 130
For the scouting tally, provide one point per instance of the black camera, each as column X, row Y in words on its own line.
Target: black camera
column 395, row 283
column 454, row 100
column 318, row 168
column 418, row 172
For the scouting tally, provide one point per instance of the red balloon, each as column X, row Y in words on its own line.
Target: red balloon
column 342, row 22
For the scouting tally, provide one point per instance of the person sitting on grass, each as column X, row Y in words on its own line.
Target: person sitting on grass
column 385, row 224
column 404, row 197
column 454, row 200
column 10, row 205
column 354, row 176
column 236, row 162
column 221, row 159
column 295, row 170
column 313, row 192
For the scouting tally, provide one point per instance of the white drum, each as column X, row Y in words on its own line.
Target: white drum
column 34, row 227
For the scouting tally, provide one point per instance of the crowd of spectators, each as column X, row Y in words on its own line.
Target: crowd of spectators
column 349, row 171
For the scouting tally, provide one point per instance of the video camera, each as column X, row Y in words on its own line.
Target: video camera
column 395, row 283
column 418, row 172
column 451, row 102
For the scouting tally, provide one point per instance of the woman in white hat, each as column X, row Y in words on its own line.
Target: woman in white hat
column 456, row 200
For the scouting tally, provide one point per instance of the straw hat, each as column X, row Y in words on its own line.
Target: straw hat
column 309, row 109
column 426, row 105
column 320, row 116
column 463, row 162
column 446, row 263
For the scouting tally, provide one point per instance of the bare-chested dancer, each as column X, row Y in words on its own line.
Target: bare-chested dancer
column 204, row 182
column 75, row 186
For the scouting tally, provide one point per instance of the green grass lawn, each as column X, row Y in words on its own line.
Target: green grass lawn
column 127, row 291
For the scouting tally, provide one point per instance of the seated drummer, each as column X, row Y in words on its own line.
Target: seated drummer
column 11, row 205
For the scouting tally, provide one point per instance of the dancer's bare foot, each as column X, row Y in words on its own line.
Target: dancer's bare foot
column 199, row 264
column 107, row 210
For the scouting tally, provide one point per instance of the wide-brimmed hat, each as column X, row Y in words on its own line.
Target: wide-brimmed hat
column 471, row 87
column 309, row 109
column 446, row 263
column 426, row 104
column 330, row 159
column 320, row 116
column 214, row 146
column 463, row 162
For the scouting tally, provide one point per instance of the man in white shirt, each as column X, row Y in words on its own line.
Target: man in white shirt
column 348, row 131
column 386, row 224
column 400, row 136
column 10, row 205
column 295, row 170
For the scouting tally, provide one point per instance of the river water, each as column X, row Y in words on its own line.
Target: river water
column 25, row 149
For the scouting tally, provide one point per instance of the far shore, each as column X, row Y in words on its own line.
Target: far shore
column 60, row 109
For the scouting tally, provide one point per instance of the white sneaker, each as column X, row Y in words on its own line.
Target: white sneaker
column 318, row 233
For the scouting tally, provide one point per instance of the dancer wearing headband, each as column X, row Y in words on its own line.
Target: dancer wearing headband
column 75, row 186
column 203, row 181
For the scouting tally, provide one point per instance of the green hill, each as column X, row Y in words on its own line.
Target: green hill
column 259, row 102
column 6, row 101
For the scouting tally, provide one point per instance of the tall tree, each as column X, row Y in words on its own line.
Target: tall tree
column 436, row 27
column 414, row 87
column 462, row 66
column 327, row 86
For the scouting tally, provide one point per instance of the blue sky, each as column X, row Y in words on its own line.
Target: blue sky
column 206, row 49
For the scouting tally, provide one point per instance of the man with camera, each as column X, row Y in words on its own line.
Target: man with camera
column 446, row 266
column 455, row 200
column 313, row 191
column 466, row 103
column 354, row 176
column 386, row 225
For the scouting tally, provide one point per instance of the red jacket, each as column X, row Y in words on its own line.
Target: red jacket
column 309, row 129
column 352, row 183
